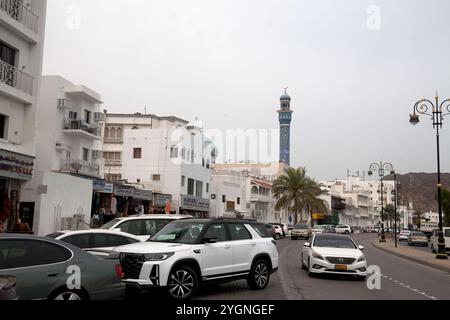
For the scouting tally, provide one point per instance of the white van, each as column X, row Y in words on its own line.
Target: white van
column 435, row 237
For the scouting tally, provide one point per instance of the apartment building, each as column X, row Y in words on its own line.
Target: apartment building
column 69, row 155
column 164, row 155
column 22, row 28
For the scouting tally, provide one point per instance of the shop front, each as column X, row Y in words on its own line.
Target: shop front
column 101, row 199
column 121, row 201
column 142, row 201
column 15, row 169
column 162, row 203
column 194, row 206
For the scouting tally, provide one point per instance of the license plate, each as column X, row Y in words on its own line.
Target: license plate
column 341, row 267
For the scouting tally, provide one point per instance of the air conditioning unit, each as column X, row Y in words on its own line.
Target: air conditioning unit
column 63, row 103
column 99, row 117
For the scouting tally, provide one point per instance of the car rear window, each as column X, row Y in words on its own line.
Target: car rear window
column 261, row 230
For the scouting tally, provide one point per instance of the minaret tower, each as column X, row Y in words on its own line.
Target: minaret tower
column 285, row 117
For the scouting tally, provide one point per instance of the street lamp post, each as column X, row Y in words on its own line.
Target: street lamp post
column 381, row 167
column 437, row 116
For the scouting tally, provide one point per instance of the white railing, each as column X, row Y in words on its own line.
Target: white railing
column 16, row 10
column 74, row 124
column 80, row 167
column 15, row 78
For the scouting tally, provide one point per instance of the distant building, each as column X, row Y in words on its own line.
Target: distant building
column 22, row 28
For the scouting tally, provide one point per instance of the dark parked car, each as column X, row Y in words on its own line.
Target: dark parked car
column 47, row 269
column 8, row 288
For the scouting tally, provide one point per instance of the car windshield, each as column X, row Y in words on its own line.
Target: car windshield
column 110, row 224
column 301, row 226
column 328, row 241
column 418, row 234
column 182, row 231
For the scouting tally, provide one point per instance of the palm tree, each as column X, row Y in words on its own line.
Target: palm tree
column 299, row 193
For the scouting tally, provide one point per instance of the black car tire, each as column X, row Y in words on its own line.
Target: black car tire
column 68, row 295
column 303, row 264
column 259, row 276
column 182, row 278
column 131, row 294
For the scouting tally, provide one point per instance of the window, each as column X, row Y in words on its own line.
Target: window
column 119, row 133
column 81, row 241
column 153, row 226
column 111, row 240
column 216, row 231
column 3, row 126
column 112, row 133
column 27, row 253
column 173, row 152
column 135, row 227
column 183, row 153
column 262, row 230
column 199, row 189
column 183, row 181
column 192, row 157
column 207, row 188
column 224, row 199
column 156, row 177
column 87, row 116
column 137, row 153
column 238, row 232
column 191, row 185
column 7, row 54
column 106, row 133
column 85, row 154
column 239, row 201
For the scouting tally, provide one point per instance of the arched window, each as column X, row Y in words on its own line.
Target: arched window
column 255, row 190
column 119, row 133
column 112, row 133
column 106, row 133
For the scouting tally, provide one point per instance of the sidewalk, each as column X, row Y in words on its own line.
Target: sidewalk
column 424, row 258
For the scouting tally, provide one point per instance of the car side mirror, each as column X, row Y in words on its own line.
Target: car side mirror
column 209, row 240
column 307, row 245
column 361, row 248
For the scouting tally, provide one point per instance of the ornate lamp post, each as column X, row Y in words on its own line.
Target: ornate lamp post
column 381, row 167
column 437, row 116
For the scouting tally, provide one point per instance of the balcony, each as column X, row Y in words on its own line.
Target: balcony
column 17, row 11
column 113, row 140
column 16, row 79
column 82, row 129
column 113, row 163
column 261, row 198
column 80, row 167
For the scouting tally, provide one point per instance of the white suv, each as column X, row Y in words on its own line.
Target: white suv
column 343, row 229
column 188, row 253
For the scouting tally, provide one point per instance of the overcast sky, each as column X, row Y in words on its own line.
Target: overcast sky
column 353, row 74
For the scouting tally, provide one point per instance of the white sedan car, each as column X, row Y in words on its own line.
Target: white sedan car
column 95, row 239
column 404, row 235
column 335, row 254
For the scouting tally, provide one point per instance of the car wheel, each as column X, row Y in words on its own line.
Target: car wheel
column 182, row 283
column 277, row 237
column 259, row 275
column 346, row 232
column 68, row 295
column 310, row 274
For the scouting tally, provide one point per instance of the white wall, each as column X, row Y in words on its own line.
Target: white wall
column 66, row 196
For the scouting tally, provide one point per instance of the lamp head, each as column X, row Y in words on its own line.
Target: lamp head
column 414, row 119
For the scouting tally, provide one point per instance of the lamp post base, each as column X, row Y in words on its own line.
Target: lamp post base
column 382, row 237
column 442, row 256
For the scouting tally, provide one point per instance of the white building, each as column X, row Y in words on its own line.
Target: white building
column 241, row 194
column 69, row 155
column 165, row 155
column 22, row 26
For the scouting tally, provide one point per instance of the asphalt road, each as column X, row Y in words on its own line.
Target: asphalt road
column 400, row 280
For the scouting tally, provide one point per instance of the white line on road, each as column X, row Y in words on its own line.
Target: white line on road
column 408, row 287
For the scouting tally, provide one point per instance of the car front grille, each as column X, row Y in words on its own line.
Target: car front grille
column 336, row 260
column 131, row 265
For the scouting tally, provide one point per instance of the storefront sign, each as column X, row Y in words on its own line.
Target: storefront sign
column 123, row 191
column 16, row 166
column 318, row 216
column 142, row 195
column 194, row 203
column 162, row 199
column 102, row 186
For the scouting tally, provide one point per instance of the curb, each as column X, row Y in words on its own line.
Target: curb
column 413, row 259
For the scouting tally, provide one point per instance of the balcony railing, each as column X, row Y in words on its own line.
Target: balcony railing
column 15, row 78
column 113, row 163
column 16, row 10
column 71, row 124
column 80, row 167
column 113, row 140
column 260, row 198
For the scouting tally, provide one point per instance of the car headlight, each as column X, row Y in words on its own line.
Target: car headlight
column 317, row 256
column 362, row 259
column 158, row 256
